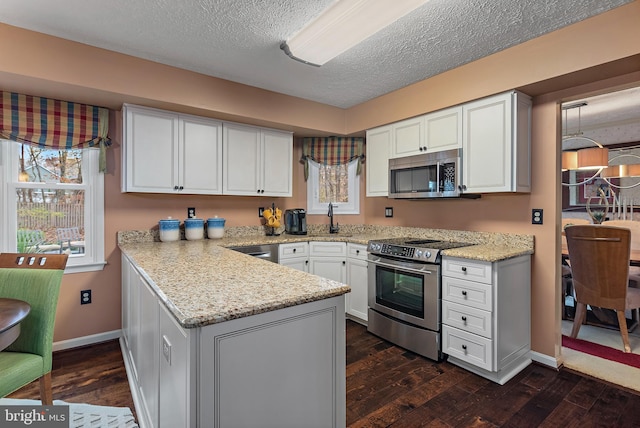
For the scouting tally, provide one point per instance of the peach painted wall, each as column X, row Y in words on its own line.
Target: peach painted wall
column 80, row 73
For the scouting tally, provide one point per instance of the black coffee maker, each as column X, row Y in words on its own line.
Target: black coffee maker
column 295, row 221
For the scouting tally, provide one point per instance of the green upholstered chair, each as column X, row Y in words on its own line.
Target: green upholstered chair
column 35, row 279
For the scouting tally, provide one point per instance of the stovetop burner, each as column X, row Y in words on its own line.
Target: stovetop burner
column 422, row 250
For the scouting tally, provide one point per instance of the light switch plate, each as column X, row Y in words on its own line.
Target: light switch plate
column 536, row 216
column 166, row 349
column 388, row 212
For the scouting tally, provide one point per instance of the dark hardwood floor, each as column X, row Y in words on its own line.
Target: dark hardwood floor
column 388, row 386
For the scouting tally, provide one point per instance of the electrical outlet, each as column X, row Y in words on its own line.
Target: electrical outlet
column 536, row 216
column 260, row 211
column 388, row 212
column 191, row 212
column 85, row 297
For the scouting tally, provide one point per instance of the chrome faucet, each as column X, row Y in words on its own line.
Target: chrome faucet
column 332, row 228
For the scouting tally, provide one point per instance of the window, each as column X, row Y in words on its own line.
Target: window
column 53, row 202
column 336, row 184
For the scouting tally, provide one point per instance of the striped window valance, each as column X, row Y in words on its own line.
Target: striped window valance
column 54, row 124
column 332, row 151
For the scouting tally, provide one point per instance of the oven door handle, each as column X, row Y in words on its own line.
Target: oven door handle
column 399, row 265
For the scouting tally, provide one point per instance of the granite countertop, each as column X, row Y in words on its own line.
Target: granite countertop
column 202, row 282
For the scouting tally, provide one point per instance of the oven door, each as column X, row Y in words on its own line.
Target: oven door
column 405, row 290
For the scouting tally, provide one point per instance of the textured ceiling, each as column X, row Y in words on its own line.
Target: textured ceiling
column 239, row 40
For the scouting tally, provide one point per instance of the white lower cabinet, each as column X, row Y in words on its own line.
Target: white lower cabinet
column 295, row 255
column 328, row 260
column 284, row 368
column 486, row 315
column 357, row 275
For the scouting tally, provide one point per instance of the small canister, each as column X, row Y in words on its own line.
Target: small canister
column 194, row 229
column 215, row 227
column 169, row 229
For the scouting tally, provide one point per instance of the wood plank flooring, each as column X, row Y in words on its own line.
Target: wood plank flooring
column 388, row 386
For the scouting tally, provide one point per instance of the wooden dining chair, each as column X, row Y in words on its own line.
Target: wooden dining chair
column 599, row 258
column 35, row 279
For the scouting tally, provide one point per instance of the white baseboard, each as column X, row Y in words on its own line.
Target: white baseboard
column 86, row 340
column 544, row 359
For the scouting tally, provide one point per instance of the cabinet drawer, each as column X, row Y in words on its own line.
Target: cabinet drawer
column 474, row 270
column 467, row 293
column 473, row 349
column 467, row 318
column 334, row 249
column 297, row 249
column 356, row 251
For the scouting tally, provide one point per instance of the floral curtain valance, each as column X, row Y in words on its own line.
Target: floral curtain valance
column 332, row 151
column 54, row 124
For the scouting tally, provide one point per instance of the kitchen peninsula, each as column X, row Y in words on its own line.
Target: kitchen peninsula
column 213, row 337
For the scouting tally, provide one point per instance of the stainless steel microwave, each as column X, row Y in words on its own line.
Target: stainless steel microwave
column 427, row 175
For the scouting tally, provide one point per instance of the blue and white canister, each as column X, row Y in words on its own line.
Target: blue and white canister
column 215, row 227
column 169, row 229
column 194, row 229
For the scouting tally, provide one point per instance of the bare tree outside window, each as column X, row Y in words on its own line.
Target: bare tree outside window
column 334, row 183
column 46, row 198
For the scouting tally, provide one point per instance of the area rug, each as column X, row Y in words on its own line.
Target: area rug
column 601, row 351
column 85, row 415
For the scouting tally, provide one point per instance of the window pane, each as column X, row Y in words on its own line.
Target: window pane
column 333, row 183
column 41, row 165
column 50, row 220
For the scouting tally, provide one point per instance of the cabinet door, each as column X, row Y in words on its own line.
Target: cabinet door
column 299, row 263
column 378, row 148
column 177, row 368
column 277, row 163
column 151, row 150
column 148, row 358
column 329, row 267
column 200, row 157
column 443, row 129
column 408, row 138
column 241, row 160
column 357, row 278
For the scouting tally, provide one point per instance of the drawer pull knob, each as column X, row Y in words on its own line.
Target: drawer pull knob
column 464, row 347
column 464, row 293
column 357, row 251
column 294, row 250
column 464, row 319
column 464, row 268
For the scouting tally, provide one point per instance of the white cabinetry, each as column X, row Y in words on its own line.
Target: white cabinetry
column 158, row 355
column 257, row 161
column 486, row 319
column 328, row 260
column 357, row 274
column 166, row 152
column 496, row 144
column 407, row 137
column 295, row 255
column 378, row 148
column 443, row 129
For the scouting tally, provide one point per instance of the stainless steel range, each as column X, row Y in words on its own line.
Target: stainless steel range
column 404, row 292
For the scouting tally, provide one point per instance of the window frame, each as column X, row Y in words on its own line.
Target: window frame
column 313, row 204
column 93, row 187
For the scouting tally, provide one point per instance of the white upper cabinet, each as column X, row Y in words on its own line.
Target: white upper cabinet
column 378, row 148
column 408, row 137
column 497, row 144
column 166, row 152
column 443, row 130
column 257, row 161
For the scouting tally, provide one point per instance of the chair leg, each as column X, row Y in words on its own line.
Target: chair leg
column 622, row 320
column 581, row 314
column 46, row 395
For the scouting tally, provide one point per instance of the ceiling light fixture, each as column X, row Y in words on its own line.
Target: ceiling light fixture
column 342, row 26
